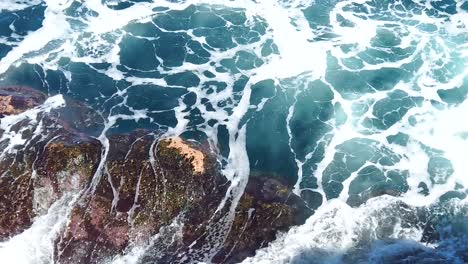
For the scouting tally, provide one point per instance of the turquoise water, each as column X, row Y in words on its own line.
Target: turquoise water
column 345, row 100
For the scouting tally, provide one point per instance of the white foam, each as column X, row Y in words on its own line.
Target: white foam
column 12, row 5
column 54, row 26
column 15, row 138
column 330, row 231
column 337, row 229
column 36, row 244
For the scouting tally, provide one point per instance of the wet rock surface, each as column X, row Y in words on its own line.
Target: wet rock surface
column 17, row 99
column 143, row 190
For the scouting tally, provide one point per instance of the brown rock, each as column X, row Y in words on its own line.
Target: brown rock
column 146, row 185
column 17, row 99
column 196, row 157
column 267, row 207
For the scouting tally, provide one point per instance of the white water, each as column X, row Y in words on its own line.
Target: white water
column 12, row 5
column 14, row 138
column 337, row 229
column 36, row 244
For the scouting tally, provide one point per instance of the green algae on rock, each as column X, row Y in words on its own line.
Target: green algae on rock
column 146, row 184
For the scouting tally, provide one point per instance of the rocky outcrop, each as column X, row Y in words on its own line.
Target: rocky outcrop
column 267, row 206
column 146, row 184
column 138, row 197
column 17, row 99
column 161, row 194
column 39, row 175
column 52, row 158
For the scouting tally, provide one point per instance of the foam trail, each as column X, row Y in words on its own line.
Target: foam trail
column 55, row 26
column 36, row 244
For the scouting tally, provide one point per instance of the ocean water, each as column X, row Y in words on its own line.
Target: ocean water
column 360, row 105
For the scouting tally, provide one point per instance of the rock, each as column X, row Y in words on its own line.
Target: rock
column 31, row 184
column 166, row 186
column 159, row 193
column 170, row 186
column 17, row 99
column 267, row 207
column 15, row 204
column 53, row 160
column 64, row 167
column 196, row 157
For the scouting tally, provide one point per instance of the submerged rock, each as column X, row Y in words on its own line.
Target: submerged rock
column 17, row 99
column 138, row 190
